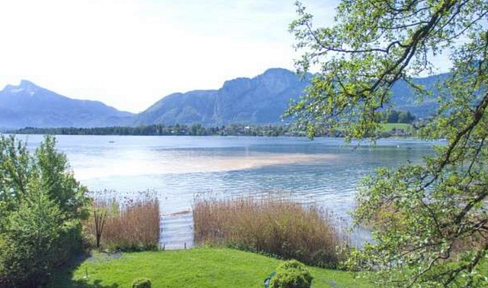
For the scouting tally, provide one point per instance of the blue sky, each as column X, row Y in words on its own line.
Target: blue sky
column 129, row 54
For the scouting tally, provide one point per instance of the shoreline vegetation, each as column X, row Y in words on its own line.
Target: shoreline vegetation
column 128, row 225
column 274, row 227
column 271, row 226
column 252, row 235
column 289, row 130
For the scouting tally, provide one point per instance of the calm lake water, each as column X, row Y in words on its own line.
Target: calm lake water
column 324, row 171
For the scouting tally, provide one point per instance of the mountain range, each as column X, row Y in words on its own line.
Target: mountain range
column 258, row 100
column 28, row 105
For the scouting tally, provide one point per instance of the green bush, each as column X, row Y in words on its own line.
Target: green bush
column 41, row 207
column 292, row 274
column 141, row 283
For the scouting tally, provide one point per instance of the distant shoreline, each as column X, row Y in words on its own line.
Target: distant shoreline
column 401, row 130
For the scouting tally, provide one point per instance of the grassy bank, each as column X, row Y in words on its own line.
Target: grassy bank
column 203, row 267
column 390, row 126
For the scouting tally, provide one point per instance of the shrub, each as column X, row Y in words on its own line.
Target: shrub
column 141, row 283
column 271, row 226
column 292, row 274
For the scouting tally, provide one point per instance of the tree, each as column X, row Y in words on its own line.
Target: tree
column 431, row 219
column 41, row 208
column 392, row 117
column 31, row 235
column 405, row 117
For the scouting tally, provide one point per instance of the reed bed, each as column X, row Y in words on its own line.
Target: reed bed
column 271, row 226
column 128, row 226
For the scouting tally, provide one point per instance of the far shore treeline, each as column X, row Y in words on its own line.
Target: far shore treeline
column 166, row 130
column 194, row 130
column 271, row 130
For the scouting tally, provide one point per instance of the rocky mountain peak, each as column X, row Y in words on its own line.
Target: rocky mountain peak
column 25, row 87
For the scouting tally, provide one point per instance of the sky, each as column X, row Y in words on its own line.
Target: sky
column 130, row 54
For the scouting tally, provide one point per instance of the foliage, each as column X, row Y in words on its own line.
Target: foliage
column 272, row 226
column 292, row 274
column 56, row 175
column 141, row 283
column 42, row 206
column 192, row 268
column 435, row 234
column 394, row 116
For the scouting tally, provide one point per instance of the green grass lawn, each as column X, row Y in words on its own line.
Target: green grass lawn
column 203, row 267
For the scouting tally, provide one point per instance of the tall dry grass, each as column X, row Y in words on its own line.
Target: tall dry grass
column 271, row 226
column 133, row 226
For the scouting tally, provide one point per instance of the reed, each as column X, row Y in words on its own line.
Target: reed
column 128, row 226
column 272, row 226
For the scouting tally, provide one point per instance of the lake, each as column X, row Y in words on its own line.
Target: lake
column 324, row 171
